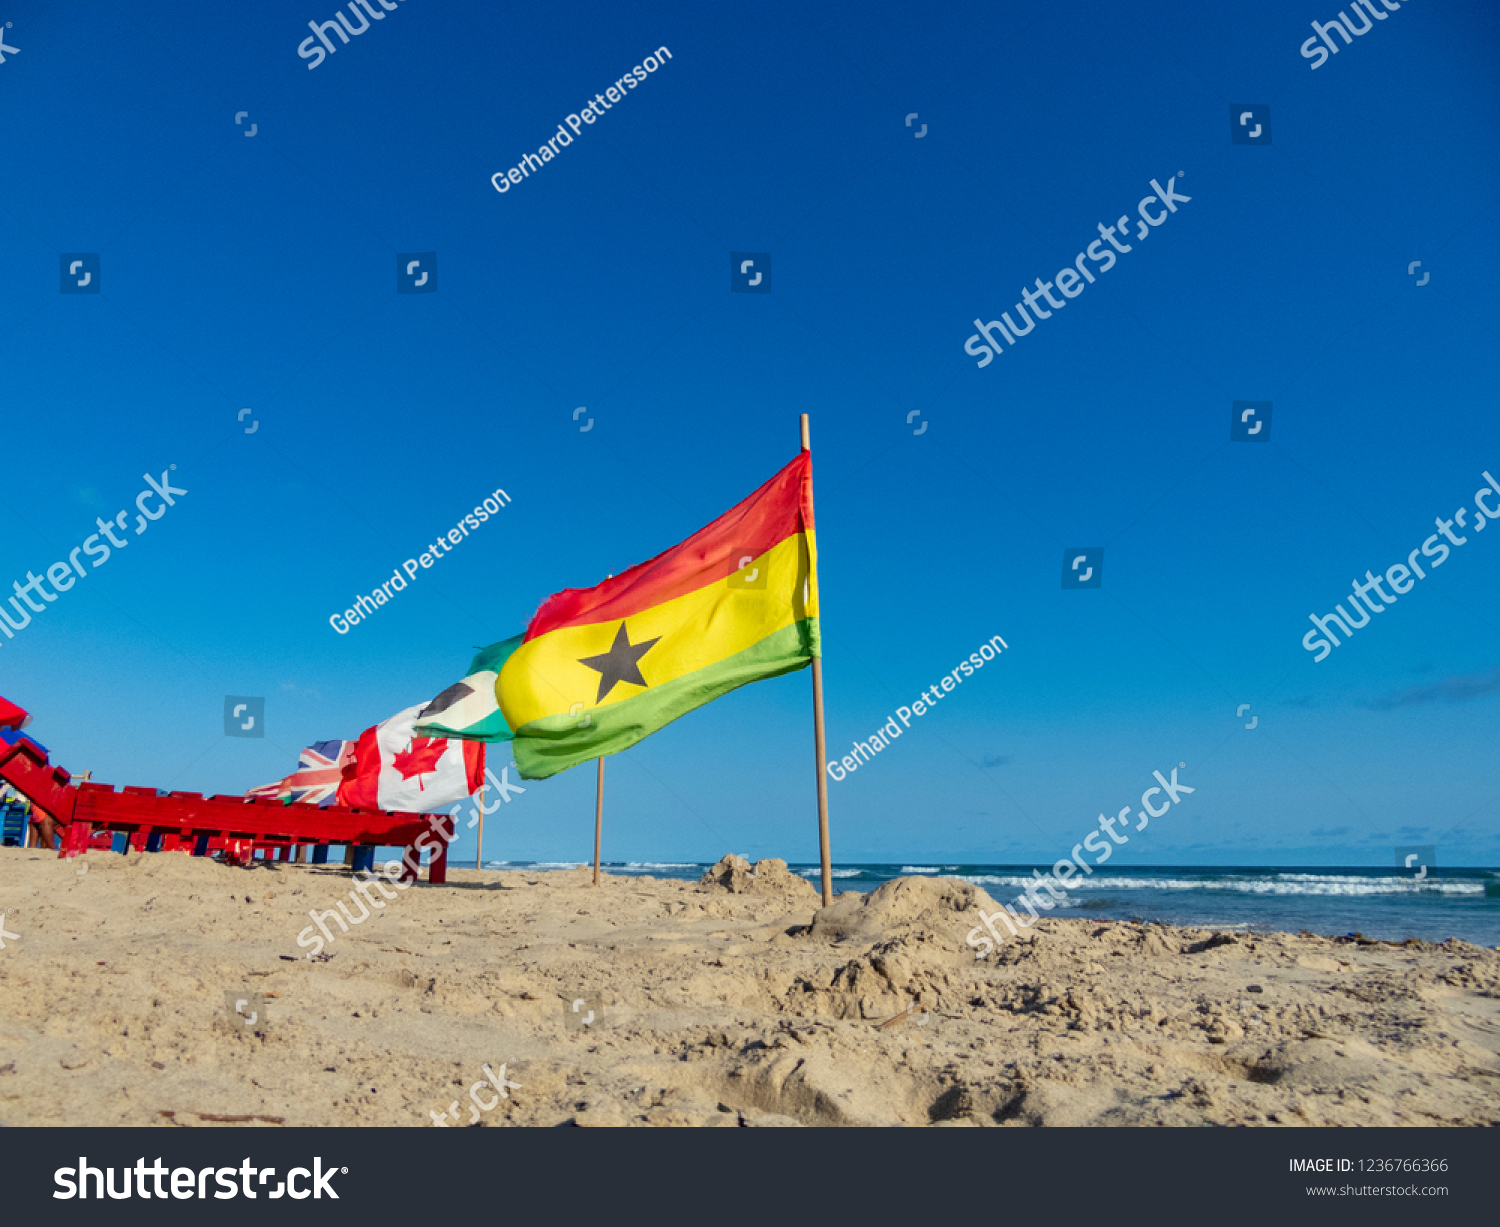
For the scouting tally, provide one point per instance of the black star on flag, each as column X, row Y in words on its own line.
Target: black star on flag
column 619, row 664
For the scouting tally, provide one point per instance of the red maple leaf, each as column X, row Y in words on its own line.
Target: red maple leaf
column 422, row 755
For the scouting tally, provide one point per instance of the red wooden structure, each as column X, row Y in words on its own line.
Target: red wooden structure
column 189, row 821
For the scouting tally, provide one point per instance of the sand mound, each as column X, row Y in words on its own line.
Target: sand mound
column 904, row 907
column 769, row 877
column 908, row 938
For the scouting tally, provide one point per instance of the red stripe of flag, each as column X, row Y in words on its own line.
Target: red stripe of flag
column 780, row 508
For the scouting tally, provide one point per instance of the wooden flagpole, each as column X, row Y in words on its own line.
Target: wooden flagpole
column 598, row 819
column 479, row 851
column 599, row 805
column 819, row 749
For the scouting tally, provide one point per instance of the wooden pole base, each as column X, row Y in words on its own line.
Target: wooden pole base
column 819, row 749
column 598, row 820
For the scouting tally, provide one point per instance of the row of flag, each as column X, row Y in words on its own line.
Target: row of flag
column 599, row 669
column 390, row 767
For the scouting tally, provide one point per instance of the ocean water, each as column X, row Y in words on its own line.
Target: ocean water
column 1392, row 904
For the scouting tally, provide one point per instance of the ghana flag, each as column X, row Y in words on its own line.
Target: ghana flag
column 601, row 668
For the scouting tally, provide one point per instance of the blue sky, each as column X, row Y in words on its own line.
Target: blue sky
column 260, row 272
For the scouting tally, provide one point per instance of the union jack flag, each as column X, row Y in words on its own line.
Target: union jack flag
column 320, row 769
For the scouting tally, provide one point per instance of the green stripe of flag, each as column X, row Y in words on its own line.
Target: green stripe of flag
column 554, row 743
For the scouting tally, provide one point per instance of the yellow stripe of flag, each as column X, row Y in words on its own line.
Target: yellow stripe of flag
column 545, row 676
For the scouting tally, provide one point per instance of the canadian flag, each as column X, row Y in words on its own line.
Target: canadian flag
column 397, row 770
